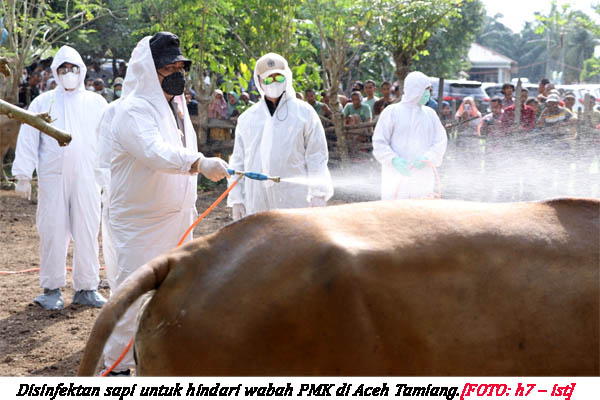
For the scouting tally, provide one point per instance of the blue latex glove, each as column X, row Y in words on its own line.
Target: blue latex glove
column 419, row 162
column 401, row 165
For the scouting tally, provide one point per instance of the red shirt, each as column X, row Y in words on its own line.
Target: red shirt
column 527, row 117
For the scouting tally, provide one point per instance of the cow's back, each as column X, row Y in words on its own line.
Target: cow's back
column 384, row 288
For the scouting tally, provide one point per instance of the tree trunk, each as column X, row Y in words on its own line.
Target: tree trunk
column 336, row 108
column 402, row 69
column 204, row 98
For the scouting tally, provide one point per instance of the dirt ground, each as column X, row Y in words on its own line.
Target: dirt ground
column 35, row 342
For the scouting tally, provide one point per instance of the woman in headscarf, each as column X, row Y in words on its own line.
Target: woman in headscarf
column 233, row 100
column 218, row 107
column 469, row 116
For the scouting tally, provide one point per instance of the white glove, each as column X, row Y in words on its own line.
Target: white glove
column 317, row 202
column 213, row 168
column 23, row 187
column 238, row 211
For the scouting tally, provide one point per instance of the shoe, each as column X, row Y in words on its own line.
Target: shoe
column 50, row 300
column 118, row 374
column 89, row 298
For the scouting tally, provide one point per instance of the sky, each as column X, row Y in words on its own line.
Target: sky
column 516, row 12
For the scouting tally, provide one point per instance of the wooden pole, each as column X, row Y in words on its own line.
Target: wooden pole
column 587, row 110
column 440, row 97
column 518, row 103
column 40, row 121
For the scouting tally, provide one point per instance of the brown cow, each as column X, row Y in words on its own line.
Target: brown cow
column 9, row 130
column 382, row 288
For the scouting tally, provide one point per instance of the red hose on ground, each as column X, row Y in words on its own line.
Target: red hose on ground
column 187, row 232
column 25, row 271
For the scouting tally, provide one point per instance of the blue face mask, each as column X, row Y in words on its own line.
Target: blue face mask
column 425, row 98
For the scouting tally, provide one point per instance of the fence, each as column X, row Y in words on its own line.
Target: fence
column 359, row 136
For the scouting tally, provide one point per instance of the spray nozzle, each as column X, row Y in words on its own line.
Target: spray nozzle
column 255, row 175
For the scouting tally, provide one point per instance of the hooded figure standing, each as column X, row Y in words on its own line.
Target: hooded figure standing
column 407, row 137
column 102, row 171
column 279, row 136
column 68, row 199
column 153, row 170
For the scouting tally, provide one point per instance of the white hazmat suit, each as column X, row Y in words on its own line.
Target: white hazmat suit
column 152, row 193
column 68, row 198
column 290, row 144
column 104, row 134
column 411, row 131
column 105, row 139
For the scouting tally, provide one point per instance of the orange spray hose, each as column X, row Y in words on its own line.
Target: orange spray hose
column 25, row 271
column 200, row 218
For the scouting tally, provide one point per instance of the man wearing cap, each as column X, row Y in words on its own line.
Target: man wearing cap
column 559, row 132
column 68, row 199
column 279, row 136
column 554, row 116
column 569, row 101
column 153, row 169
column 117, row 88
column 507, row 91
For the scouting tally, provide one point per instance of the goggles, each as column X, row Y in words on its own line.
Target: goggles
column 64, row 70
column 278, row 78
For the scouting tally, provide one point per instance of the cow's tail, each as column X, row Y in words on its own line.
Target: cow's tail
column 144, row 279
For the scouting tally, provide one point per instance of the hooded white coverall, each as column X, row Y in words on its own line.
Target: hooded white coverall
column 105, row 139
column 68, row 198
column 152, row 193
column 289, row 144
column 409, row 130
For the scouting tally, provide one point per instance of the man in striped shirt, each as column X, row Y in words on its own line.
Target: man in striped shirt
column 554, row 115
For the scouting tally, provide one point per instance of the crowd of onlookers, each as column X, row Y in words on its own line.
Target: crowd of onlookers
column 549, row 109
column 547, row 120
column 37, row 78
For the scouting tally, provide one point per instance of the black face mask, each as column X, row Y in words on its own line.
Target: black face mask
column 173, row 84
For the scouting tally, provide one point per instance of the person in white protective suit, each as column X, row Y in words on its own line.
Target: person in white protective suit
column 68, row 199
column 104, row 140
column 408, row 137
column 153, row 170
column 279, row 136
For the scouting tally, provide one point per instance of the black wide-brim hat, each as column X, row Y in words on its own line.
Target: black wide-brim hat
column 165, row 50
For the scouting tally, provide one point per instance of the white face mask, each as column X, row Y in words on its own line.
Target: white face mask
column 69, row 80
column 274, row 90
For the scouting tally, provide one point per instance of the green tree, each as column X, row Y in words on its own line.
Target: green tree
column 409, row 24
column 591, row 70
column 446, row 53
column 342, row 25
column 580, row 44
column 591, row 66
column 225, row 37
column 554, row 27
column 37, row 26
column 495, row 35
column 110, row 36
